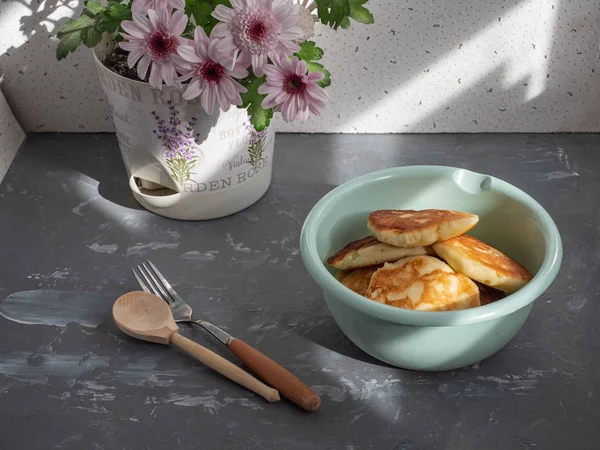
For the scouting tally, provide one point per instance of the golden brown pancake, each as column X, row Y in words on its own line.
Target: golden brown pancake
column 422, row 283
column 368, row 251
column 483, row 263
column 340, row 274
column 488, row 294
column 409, row 228
column 358, row 279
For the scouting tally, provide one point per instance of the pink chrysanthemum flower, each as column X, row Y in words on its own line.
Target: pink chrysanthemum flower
column 154, row 39
column 211, row 73
column 292, row 90
column 142, row 6
column 259, row 29
column 307, row 18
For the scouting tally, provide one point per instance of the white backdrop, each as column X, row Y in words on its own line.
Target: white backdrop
column 425, row 66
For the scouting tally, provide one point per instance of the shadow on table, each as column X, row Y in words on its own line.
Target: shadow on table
column 331, row 337
column 108, row 170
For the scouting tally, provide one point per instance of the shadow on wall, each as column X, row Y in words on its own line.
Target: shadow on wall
column 553, row 99
column 526, row 66
column 46, row 94
column 470, row 66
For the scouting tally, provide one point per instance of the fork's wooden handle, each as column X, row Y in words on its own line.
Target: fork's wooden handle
column 287, row 384
column 224, row 367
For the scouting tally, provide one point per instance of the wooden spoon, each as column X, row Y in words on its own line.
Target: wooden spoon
column 145, row 316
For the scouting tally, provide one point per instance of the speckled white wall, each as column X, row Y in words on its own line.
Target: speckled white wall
column 425, row 66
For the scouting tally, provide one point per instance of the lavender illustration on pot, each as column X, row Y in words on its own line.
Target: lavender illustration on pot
column 256, row 143
column 180, row 143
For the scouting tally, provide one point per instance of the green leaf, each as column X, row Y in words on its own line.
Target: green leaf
column 333, row 12
column 76, row 26
column 252, row 100
column 200, row 10
column 189, row 30
column 94, row 7
column 359, row 13
column 316, row 67
column 260, row 118
column 72, row 33
column 189, row 6
column 337, row 13
column 309, row 51
column 114, row 15
column 118, row 11
column 210, row 25
column 221, row 2
column 88, row 28
column 67, row 44
column 92, row 37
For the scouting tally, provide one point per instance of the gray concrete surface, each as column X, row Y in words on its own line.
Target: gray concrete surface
column 69, row 379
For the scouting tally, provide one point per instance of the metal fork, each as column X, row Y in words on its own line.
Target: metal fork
column 152, row 281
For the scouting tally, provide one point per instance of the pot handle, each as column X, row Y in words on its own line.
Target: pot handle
column 160, row 198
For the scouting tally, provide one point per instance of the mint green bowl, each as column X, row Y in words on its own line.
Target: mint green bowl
column 509, row 219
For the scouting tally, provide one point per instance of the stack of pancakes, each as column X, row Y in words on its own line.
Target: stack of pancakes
column 423, row 260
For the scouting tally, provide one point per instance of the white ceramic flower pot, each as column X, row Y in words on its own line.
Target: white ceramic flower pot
column 181, row 162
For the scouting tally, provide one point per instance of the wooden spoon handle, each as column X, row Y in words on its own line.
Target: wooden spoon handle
column 224, row 367
column 275, row 375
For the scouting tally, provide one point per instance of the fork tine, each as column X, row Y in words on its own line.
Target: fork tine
column 141, row 282
column 165, row 283
column 147, row 281
column 154, row 284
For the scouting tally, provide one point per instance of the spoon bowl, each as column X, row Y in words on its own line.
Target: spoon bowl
column 144, row 316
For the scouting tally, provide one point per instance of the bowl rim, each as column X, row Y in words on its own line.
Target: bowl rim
column 513, row 302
